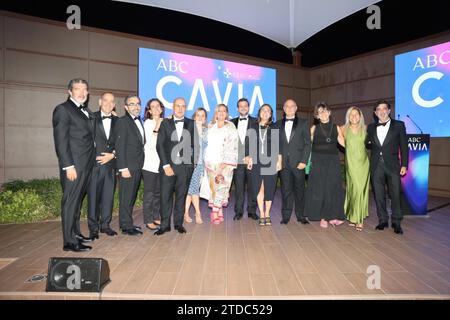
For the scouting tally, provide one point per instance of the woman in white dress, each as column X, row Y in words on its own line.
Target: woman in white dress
column 221, row 157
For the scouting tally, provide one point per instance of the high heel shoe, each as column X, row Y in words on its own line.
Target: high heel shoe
column 220, row 215
column 323, row 224
column 268, row 221
column 214, row 218
column 198, row 218
column 359, row 227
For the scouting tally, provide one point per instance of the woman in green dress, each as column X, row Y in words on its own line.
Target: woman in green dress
column 356, row 204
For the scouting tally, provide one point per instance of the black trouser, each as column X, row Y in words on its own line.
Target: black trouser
column 292, row 191
column 152, row 196
column 241, row 176
column 101, row 197
column 128, row 189
column 381, row 177
column 178, row 183
column 73, row 194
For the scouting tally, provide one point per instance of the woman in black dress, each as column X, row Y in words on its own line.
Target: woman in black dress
column 324, row 199
column 264, row 161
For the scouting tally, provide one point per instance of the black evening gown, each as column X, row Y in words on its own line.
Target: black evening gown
column 324, row 197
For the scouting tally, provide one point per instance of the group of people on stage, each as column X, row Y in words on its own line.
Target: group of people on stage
column 182, row 160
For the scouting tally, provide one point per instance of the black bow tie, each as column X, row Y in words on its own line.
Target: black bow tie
column 383, row 124
column 180, row 120
column 106, row 117
column 289, row 119
column 137, row 118
column 82, row 107
column 243, row 119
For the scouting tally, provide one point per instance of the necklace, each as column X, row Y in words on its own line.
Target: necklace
column 262, row 138
column 328, row 137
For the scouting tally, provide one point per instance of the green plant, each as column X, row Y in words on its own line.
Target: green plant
column 22, row 206
column 40, row 199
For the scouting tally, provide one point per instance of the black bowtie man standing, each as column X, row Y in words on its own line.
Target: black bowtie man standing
column 73, row 133
column 385, row 139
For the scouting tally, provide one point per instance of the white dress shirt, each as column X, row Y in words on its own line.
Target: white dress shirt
column 179, row 127
column 382, row 131
column 151, row 160
column 242, row 128
column 288, row 128
column 106, row 124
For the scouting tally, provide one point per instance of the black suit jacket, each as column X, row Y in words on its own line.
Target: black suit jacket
column 103, row 144
column 395, row 140
column 243, row 148
column 73, row 134
column 129, row 144
column 165, row 145
column 299, row 146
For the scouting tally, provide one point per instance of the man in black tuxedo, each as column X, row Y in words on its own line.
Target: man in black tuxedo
column 385, row 138
column 130, row 140
column 103, row 178
column 241, row 175
column 177, row 148
column 295, row 147
column 73, row 134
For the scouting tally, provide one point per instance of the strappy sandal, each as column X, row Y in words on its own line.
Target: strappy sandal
column 359, row 227
column 198, row 218
column 268, row 221
column 262, row 221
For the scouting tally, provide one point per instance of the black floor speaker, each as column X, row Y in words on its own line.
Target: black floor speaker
column 77, row 274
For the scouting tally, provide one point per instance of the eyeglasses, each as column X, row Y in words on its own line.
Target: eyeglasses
column 133, row 104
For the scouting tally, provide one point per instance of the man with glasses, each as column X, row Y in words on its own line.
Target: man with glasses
column 130, row 142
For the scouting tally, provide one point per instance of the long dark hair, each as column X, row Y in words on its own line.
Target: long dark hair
column 148, row 114
column 270, row 121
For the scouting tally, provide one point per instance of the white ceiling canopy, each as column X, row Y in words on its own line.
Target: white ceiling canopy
column 288, row 22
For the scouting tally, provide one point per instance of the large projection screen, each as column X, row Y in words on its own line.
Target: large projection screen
column 422, row 90
column 203, row 82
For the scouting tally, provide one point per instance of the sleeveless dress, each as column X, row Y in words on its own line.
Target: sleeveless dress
column 324, row 197
column 197, row 175
column 357, row 176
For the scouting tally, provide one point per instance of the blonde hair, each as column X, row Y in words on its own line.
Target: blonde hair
column 362, row 125
column 214, row 120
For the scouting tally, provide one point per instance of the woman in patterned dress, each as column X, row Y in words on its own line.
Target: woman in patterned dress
column 221, row 157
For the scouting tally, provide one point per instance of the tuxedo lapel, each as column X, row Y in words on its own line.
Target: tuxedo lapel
column 294, row 126
column 136, row 130
column 102, row 128
column 389, row 133
column 375, row 136
column 185, row 127
column 172, row 128
column 283, row 130
column 113, row 123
